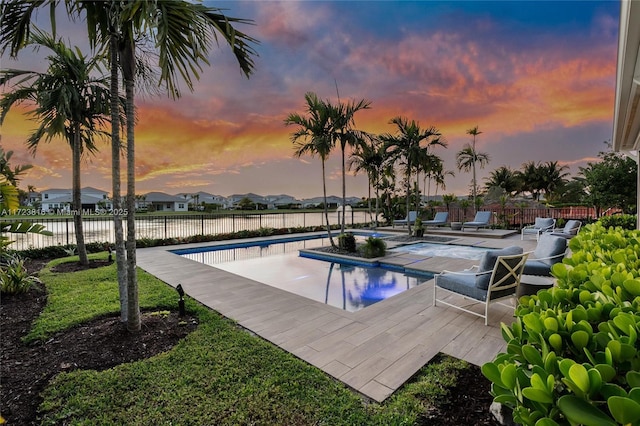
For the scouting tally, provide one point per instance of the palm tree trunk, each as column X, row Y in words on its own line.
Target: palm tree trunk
column 344, row 189
column 408, row 203
column 77, row 198
column 326, row 209
column 369, row 200
column 115, row 178
column 377, row 199
column 133, row 308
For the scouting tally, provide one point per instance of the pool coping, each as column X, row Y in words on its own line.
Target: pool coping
column 374, row 351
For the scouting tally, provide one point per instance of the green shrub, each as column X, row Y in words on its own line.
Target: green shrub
column 624, row 221
column 14, row 277
column 347, row 241
column 572, row 354
column 374, row 247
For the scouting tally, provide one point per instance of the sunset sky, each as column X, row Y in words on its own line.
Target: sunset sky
column 538, row 78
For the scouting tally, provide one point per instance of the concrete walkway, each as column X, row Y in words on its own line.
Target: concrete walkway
column 374, row 350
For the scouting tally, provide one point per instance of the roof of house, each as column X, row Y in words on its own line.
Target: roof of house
column 161, row 197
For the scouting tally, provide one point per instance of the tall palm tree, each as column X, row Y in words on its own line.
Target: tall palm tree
column 467, row 158
column 343, row 131
column 313, row 137
column 410, row 147
column 70, row 103
column 369, row 156
column 183, row 34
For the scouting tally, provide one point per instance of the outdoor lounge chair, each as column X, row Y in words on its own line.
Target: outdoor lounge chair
column 438, row 220
column 410, row 219
column 497, row 277
column 549, row 251
column 541, row 225
column 569, row 231
column 482, row 220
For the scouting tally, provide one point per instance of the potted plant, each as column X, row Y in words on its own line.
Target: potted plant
column 418, row 230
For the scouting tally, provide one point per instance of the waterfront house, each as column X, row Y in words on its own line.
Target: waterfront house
column 161, row 202
column 57, row 200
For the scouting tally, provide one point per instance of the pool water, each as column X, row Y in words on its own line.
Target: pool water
column 348, row 287
column 442, row 250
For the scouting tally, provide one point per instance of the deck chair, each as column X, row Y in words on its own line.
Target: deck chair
column 410, row 219
column 570, row 230
column 541, row 225
column 497, row 278
column 482, row 220
column 549, row 251
column 439, row 220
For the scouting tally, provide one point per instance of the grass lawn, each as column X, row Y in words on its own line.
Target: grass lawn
column 219, row 374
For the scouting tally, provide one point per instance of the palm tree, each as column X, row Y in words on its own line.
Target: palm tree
column 553, row 177
column 467, row 158
column 505, row 178
column 532, row 179
column 369, row 156
column 71, row 103
column 344, row 132
column 409, row 146
column 182, row 33
column 313, row 138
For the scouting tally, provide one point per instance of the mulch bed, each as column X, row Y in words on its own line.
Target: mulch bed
column 25, row 369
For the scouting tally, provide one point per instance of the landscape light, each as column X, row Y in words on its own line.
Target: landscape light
column 180, row 291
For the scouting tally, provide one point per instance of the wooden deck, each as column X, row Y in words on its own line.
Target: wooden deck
column 374, row 350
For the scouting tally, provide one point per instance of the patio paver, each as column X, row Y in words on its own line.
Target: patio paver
column 374, row 350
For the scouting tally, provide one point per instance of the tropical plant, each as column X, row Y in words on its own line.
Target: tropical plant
column 467, row 158
column 369, row 156
column 312, row 137
column 11, row 174
column 531, row 179
column 410, row 148
column 374, row 247
column 553, row 177
column 449, row 199
column 506, row 179
column 624, row 221
column 182, row 33
column 71, row 102
column 611, row 182
column 573, row 352
column 343, row 131
column 347, row 241
column 14, row 276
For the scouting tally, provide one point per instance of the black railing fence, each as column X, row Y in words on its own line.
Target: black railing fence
column 100, row 228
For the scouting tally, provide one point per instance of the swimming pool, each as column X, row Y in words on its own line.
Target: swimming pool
column 443, row 250
column 277, row 264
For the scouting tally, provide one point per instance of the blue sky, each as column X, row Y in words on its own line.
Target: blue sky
column 538, row 78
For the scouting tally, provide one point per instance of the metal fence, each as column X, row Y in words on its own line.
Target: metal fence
column 101, row 229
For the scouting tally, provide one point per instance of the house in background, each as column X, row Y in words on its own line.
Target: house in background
column 196, row 199
column 282, row 201
column 332, row 202
column 258, row 200
column 161, row 202
column 60, row 200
